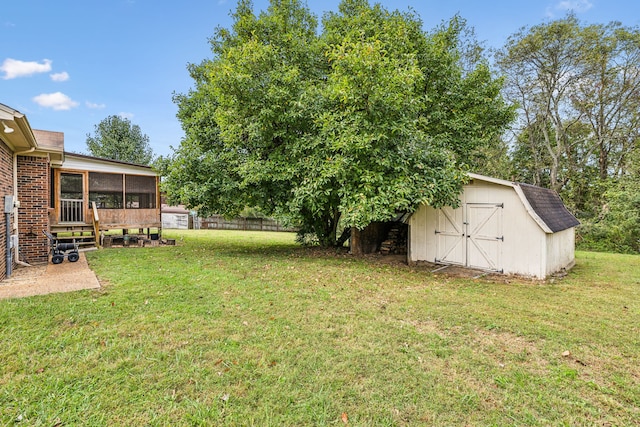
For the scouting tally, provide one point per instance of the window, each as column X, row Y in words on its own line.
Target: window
column 140, row 191
column 106, row 190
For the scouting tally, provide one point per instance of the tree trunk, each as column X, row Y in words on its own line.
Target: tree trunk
column 327, row 229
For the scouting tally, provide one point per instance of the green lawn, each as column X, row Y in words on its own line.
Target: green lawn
column 246, row 328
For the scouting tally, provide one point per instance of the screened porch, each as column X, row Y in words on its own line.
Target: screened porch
column 105, row 200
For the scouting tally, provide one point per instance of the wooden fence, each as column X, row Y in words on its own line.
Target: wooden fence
column 258, row 224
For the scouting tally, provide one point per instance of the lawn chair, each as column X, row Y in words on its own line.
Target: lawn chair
column 58, row 250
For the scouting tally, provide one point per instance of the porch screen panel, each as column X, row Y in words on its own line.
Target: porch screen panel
column 140, row 191
column 106, row 189
column 52, row 188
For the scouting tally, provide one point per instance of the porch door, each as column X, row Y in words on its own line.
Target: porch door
column 71, row 197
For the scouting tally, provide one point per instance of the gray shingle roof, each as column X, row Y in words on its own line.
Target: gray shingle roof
column 549, row 207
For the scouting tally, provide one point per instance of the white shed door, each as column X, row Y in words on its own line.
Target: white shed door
column 470, row 236
column 484, row 235
column 450, row 242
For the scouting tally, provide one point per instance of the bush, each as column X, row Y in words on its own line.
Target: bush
column 617, row 228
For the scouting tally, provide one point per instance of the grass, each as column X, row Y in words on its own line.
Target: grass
column 246, row 328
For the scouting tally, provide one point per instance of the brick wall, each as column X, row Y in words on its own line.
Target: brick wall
column 33, row 214
column 6, row 188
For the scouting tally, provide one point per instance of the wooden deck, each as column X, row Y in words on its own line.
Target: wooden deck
column 103, row 221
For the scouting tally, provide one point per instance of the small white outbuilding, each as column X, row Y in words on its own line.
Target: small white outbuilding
column 175, row 217
column 500, row 226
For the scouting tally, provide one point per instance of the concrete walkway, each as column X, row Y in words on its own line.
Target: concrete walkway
column 50, row 278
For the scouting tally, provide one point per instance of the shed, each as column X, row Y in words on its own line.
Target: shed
column 175, row 217
column 499, row 226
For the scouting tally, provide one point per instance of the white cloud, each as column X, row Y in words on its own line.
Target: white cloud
column 574, row 5
column 59, row 77
column 126, row 115
column 57, row 101
column 13, row 68
column 94, row 106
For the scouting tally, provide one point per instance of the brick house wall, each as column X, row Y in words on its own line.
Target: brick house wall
column 33, row 214
column 6, row 188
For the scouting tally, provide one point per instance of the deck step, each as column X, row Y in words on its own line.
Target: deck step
column 82, row 234
column 72, row 228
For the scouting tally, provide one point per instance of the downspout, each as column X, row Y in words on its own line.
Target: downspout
column 7, row 217
column 16, row 249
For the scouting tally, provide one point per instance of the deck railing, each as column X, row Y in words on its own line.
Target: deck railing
column 96, row 222
column 71, row 210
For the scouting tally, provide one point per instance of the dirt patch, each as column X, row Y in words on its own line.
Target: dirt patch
column 455, row 271
column 388, row 259
column 400, row 260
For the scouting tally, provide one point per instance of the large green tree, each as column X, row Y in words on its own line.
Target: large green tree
column 117, row 138
column 577, row 89
column 608, row 96
column 543, row 64
column 368, row 117
column 616, row 228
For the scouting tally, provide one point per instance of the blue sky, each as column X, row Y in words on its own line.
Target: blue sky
column 68, row 64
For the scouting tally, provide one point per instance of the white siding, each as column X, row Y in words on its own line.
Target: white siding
column 523, row 246
column 560, row 251
column 99, row 165
column 175, row 221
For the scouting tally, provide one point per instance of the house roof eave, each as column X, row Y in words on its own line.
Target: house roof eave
column 21, row 138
